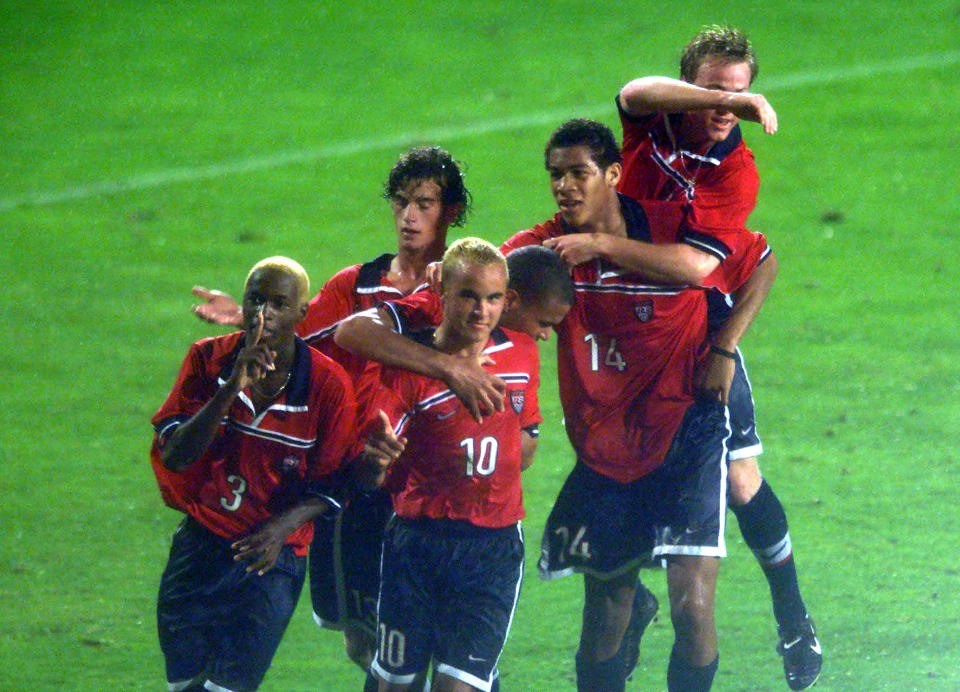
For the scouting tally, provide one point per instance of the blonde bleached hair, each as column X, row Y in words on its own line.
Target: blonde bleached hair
column 470, row 251
column 284, row 265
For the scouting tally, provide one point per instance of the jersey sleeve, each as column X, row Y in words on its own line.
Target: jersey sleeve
column 532, row 236
column 333, row 303
column 635, row 127
column 747, row 251
column 416, row 311
column 190, row 392
column 336, row 424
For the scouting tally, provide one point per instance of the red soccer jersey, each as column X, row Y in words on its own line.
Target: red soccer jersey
column 721, row 184
column 355, row 288
column 454, row 467
column 627, row 348
column 259, row 463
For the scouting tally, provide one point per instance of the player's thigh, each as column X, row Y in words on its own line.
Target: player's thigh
column 261, row 608
column 744, row 440
column 345, row 564
column 688, row 491
column 185, row 617
column 597, row 526
column 407, row 605
column 482, row 581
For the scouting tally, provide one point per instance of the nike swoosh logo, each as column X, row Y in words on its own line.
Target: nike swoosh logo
column 471, row 657
column 444, row 416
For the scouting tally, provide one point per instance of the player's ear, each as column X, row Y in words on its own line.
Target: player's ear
column 510, row 299
column 613, row 173
column 302, row 313
column 451, row 212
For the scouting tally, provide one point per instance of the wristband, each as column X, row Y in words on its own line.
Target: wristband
column 721, row 352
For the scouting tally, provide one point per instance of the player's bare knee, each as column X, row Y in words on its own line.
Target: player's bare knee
column 743, row 480
column 359, row 647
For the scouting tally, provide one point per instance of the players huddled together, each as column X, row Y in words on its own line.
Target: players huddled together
column 372, row 439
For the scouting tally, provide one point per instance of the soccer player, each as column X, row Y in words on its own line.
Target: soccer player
column 453, row 556
column 682, row 142
column 427, row 195
column 257, row 423
column 649, row 482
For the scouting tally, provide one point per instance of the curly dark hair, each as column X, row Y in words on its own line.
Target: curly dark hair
column 594, row 135
column 436, row 164
column 715, row 41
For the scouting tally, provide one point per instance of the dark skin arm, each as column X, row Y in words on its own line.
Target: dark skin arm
column 715, row 372
column 261, row 548
column 190, row 440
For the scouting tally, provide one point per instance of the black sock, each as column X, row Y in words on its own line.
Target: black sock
column 763, row 524
column 371, row 683
column 601, row 676
column 686, row 677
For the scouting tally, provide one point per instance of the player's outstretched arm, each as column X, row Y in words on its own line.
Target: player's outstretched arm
column 715, row 372
column 367, row 335
column 667, row 95
column 670, row 263
column 217, row 308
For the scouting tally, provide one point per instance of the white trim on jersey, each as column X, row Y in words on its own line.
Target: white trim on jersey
column 270, row 434
column 628, row 289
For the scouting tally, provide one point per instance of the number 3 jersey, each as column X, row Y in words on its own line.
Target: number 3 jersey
column 258, row 463
column 452, row 466
column 627, row 348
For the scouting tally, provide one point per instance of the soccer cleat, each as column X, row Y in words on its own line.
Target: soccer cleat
column 644, row 612
column 802, row 659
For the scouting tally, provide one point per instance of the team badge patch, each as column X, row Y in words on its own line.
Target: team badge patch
column 289, row 464
column 643, row 310
column 516, row 399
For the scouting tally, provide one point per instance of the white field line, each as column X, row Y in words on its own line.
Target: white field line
column 543, row 118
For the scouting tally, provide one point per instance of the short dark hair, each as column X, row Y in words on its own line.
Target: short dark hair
column 715, row 41
column 436, row 164
column 596, row 136
column 537, row 273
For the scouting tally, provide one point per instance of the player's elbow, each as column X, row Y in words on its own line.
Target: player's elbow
column 637, row 96
column 697, row 266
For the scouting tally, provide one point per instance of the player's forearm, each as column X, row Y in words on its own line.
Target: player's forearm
column 373, row 340
column 299, row 514
column 667, row 95
column 747, row 303
column 191, row 439
column 671, row 263
column 528, row 448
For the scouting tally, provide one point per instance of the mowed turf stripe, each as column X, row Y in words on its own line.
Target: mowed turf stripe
column 258, row 163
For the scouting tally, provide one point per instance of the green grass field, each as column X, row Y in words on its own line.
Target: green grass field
column 145, row 147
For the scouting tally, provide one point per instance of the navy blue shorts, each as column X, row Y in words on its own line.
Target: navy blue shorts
column 448, row 592
column 217, row 622
column 605, row 528
column 744, row 441
column 345, row 563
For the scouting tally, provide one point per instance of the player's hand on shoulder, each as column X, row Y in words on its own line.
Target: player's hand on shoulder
column 481, row 392
column 576, row 248
column 217, row 308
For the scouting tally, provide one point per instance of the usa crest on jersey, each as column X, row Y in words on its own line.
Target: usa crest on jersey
column 643, row 310
column 516, row 399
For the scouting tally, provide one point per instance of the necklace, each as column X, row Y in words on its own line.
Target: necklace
column 276, row 393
